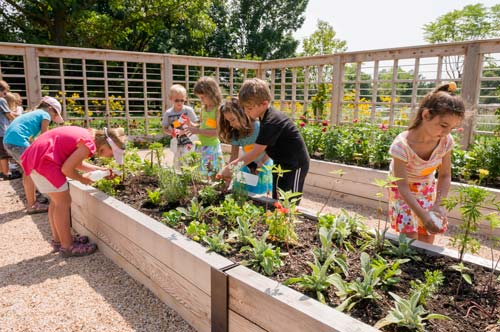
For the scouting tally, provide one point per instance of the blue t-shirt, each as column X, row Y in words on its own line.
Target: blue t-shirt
column 247, row 142
column 24, row 127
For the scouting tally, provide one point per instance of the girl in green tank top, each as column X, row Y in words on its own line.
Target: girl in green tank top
column 208, row 91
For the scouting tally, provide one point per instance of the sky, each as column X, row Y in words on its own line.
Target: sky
column 378, row 24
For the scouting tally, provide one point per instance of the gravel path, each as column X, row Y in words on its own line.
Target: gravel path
column 39, row 291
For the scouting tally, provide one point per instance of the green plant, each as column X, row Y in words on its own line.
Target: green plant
column 343, row 226
column 318, row 281
column 263, row 256
column 327, row 251
column 171, row 217
column 471, row 199
column 172, row 186
column 493, row 223
column 108, row 185
column 195, row 211
column 408, row 313
column 281, row 221
column 390, row 271
column 154, row 196
column 353, row 292
column 156, row 152
column 216, row 243
column 244, row 230
column 196, row 230
column 403, row 249
column 462, row 269
column 384, row 185
column 208, row 195
column 426, row 289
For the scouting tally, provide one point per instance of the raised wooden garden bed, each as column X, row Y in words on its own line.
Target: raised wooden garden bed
column 180, row 273
column 207, row 290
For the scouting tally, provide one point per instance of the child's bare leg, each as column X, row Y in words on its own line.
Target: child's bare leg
column 413, row 235
column 53, row 229
column 4, row 166
column 60, row 203
column 29, row 191
column 426, row 238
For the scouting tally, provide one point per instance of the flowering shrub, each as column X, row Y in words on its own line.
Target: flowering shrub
column 356, row 143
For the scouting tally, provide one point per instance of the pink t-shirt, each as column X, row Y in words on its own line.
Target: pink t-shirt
column 50, row 150
column 417, row 169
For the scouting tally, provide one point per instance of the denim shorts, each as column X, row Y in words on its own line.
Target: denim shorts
column 15, row 151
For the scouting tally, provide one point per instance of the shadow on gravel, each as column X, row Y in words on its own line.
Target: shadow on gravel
column 9, row 216
column 140, row 308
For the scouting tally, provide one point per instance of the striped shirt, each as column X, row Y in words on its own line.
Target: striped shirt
column 417, row 169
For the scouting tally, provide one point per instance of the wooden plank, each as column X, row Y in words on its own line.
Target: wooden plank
column 470, row 92
column 237, row 323
column 374, row 91
column 188, row 301
column 337, row 92
column 252, row 296
column 32, row 76
column 186, row 257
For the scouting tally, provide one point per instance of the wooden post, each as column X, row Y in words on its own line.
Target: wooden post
column 357, row 91
column 127, row 102
column 374, row 92
column 393, row 92
column 337, row 91
column 470, row 89
column 167, row 80
column 306, row 91
column 145, row 101
column 32, row 72
column 107, row 111
column 282, row 89
column 294, row 91
column 85, row 94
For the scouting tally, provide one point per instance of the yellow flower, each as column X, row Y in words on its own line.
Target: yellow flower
column 483, row 172
column 197, row 142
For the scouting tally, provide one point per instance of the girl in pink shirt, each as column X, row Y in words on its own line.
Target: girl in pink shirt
column 60, row 153
column 416, row 155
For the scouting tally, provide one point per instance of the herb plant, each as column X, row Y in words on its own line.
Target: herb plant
column 318, row 281
column 263, row 256
column 408, row 313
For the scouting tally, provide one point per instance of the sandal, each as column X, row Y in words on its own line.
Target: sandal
column 37, row 208
column 78, row 250
column 77, row 239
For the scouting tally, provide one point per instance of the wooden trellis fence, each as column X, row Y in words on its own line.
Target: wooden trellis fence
column 103, row 87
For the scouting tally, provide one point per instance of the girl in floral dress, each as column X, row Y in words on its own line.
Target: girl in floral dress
column 416, row 155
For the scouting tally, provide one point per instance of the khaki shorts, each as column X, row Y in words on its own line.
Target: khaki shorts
column 44, row 186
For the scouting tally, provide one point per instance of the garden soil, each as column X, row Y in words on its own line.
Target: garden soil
column 40, row 291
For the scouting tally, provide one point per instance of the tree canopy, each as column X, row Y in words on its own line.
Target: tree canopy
column 469, row 23
column 226, row 28
column 323, row 41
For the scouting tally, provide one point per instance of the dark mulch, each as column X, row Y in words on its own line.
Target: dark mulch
column 469, row 307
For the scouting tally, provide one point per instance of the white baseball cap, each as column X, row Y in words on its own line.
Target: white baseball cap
column 55, row 104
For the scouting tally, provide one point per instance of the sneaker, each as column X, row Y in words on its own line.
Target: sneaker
column 11, row 176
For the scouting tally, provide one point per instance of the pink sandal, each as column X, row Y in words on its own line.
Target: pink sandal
column 78, row 250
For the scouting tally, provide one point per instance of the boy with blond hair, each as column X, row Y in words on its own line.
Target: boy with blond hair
column 173, row 122
column 279, row 137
